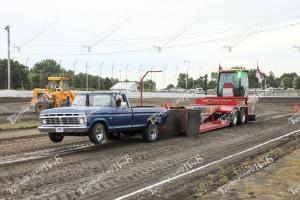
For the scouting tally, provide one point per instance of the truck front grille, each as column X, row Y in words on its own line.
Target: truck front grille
column 61, row 119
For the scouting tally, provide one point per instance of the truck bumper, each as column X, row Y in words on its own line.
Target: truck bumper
column 65, row 129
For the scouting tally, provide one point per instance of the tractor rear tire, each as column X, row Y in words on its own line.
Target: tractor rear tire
column 234, row 120
column 56, row 137
column 242, row 118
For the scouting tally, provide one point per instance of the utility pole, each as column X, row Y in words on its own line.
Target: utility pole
column 186, row 78
column 8, row 56
column 99, row 79
column 87, row 77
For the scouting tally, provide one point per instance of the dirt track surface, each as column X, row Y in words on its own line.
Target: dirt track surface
column 25, row 150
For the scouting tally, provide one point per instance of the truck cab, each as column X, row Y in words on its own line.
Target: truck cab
column 101, row 116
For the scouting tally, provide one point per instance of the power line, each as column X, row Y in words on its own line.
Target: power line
column 44, row 27
column 214, row 31
column 167, row 47
column 114, row 29
column 175, row 36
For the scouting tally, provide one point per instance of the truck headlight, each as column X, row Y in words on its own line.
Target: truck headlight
column 82, row 121
column 44, row 121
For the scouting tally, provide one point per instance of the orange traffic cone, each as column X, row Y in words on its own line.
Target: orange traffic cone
column 296, row 108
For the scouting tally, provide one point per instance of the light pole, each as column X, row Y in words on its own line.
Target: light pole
column 87, row 77
column 112, row 71
column 297, row 47
column 151, row 69
column 186, row 78
column 120, row 72
column 74, row 66
column 27, row 68
column 175, row 76
column 60, row 67
column 8, row 56
column 140, row 69
column 99, row 79
column 164, row 77
column 126, row 76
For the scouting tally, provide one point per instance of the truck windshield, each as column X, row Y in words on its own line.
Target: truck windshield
column 80, row 100
column 94, row 100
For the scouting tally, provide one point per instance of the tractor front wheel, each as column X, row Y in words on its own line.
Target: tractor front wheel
column 40, row 106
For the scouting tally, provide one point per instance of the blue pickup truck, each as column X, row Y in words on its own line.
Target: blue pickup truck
column 101, row 116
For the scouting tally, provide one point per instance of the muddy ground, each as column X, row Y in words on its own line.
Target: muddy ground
column 79, row 162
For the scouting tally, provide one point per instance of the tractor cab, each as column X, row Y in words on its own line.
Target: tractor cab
column 58, row 84
column 233, row 83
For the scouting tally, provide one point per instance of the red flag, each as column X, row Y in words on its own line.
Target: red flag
column 220, row 68
column 259, row 75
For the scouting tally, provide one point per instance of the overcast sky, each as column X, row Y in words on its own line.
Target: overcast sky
column 129, row 32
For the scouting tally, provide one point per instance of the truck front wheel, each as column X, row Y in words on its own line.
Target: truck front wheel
column 150, row 134
column 97, row 133
column 56, row 137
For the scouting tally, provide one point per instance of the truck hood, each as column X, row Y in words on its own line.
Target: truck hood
column 75, row 109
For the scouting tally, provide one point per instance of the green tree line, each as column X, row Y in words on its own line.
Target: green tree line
column 286, row 80
column 37, row 77
column 24, row 78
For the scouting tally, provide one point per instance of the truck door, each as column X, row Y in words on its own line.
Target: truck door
column 122, row 118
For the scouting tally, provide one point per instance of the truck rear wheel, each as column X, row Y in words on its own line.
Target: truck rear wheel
column 150, row 134
column 97, row 133
column 56, row 137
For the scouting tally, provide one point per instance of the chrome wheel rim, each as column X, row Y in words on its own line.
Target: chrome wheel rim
column 99, row 133
column 153, row 133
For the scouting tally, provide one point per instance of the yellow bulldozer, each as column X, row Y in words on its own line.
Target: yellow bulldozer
column 56, row 94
